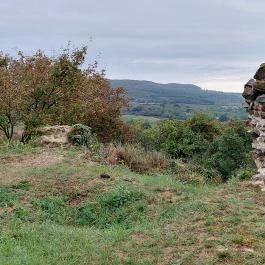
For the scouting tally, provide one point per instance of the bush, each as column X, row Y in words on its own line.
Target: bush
column 202, row 124
column 136, row 158
column 80, row 135
column 185, row 144
column 181, row 139
column 221, row 150
column 230, row 151
column 245, row 173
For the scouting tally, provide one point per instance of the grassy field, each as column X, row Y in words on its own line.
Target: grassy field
column 56, row 210
column 151, row 120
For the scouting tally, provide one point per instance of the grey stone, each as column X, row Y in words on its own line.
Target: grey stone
column 105, row 176
column 260, row 99
column 260, row 74
column 249, row 91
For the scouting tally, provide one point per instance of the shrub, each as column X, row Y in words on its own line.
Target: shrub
column 202, row 124
column 181, row 139
column 229, row 152
column 185, row 144
column 245, row 173
column 80, row 135
column 136, row 158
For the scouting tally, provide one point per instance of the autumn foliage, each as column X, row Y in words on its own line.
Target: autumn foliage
column 37, row 90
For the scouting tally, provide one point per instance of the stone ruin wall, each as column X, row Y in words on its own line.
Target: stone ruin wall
column 254, row 94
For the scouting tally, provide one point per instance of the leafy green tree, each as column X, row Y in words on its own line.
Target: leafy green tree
column 230, row 151
column 11, row 95
column 202, row 124
column 182, row 138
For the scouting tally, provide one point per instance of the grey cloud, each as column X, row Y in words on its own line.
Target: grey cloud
column 208, row 42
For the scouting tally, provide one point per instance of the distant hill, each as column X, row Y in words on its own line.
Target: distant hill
column 144, row 91
column 179, row 100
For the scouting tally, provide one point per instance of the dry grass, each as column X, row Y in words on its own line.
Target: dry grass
column 136, row 158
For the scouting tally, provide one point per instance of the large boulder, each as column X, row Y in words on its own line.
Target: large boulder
column 259, row 86
column 249, row 92
column 260, row 74
column 54, row 135
column 261, row 99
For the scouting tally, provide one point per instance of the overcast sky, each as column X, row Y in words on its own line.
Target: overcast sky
column 217, row 44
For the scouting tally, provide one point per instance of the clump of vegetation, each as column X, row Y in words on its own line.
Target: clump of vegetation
column 181, row 138
column 16, row 147
column 230, row 151
column 8, row 197
column 80, row 135
column 51, row 208
column 220, row 149
column 136, row 158
column 119, row 206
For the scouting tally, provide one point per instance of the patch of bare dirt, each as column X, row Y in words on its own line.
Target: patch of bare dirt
column 72, row 187
column 167, row 255
column 74, row 202
column 244, row 249
column 8, row 175
column 11, row 166
column 41, row 159
column 140, row 238
column 169, row 195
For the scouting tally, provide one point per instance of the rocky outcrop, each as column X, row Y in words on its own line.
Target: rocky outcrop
column 54, row 135
column 254, row 94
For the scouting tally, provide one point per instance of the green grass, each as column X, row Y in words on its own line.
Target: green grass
column 133, row 118
column 15, row 147
column 63, row 213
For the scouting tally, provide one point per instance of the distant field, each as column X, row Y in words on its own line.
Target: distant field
column 152, row 120
column 179, row 101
